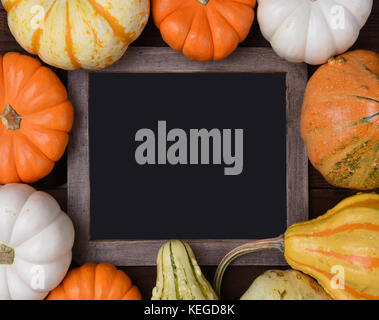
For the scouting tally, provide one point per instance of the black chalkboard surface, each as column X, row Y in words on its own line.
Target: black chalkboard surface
column 139, row 190
column 166, row 147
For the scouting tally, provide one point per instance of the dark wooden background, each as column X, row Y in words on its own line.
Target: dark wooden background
column 322, row 195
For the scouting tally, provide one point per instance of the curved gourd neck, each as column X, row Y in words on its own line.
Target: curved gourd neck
column 258, row 245
column 6, row 254
column 10, row 118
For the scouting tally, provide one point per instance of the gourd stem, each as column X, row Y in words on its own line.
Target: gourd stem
column 6, row 254
column 257, row 245
column 10, row 118
column 203, row 2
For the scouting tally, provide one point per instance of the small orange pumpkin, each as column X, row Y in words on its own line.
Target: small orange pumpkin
column 36, row 117
column 96, row 282
column 204, row 29
column 340, row 120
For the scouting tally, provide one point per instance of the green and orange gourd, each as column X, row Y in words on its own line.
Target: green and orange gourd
column 340, row 120
column 345, row 239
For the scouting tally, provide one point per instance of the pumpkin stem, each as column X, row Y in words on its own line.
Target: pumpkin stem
column 10, row 118
column 203, row 2
column 6, row 254
column 257, row 245
column 339, row 60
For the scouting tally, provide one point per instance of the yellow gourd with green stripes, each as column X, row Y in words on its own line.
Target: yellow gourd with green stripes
column 179, row 277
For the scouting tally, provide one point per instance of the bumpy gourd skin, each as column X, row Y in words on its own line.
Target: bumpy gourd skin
column 345, row 238
column 72, row 34
column 340, row 120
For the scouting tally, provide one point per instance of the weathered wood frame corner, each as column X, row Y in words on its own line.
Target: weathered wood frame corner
column 165, row 60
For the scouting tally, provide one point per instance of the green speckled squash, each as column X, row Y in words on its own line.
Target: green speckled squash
column 179, row 277
column 285, row 285
column 340, row 120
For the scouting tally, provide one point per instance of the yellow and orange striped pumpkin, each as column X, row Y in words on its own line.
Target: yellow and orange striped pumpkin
column 340, row 249
column 346, row 236
column 74, row 34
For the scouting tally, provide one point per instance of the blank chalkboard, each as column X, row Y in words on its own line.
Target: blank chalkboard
column 171, row 199
column 170, row 148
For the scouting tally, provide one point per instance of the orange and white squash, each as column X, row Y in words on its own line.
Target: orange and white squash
column 74, row 34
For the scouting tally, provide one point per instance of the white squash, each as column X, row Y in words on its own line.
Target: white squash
column 312, row 31
column 285, row 285
column 36, row 239
column 72, row 34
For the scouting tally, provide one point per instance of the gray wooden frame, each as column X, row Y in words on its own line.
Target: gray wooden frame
column 165, row 60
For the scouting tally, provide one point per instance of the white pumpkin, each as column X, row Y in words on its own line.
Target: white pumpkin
column 312, row 31
column 36, row 239
column 72, row 34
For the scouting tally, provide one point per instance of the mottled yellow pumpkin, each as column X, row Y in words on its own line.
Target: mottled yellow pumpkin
column 72, row 34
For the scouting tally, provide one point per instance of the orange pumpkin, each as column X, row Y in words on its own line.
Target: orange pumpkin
column 204, row 29
column 96, row 282
column 340, row 120
column 36, row 117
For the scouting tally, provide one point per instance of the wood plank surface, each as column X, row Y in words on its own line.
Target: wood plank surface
column 322, row 195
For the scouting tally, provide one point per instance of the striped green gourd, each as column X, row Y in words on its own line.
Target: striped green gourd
column 179, row 276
